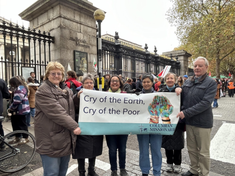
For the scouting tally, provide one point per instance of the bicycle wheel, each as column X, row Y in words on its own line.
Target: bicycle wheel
column 16, row 156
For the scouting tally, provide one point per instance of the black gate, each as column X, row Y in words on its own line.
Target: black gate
column 23, row 51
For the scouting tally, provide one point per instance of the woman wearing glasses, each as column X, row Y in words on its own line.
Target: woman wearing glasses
column 55, row 127
column 117, row 142
column 87, row 146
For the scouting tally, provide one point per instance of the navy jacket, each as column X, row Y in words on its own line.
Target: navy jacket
column 196, row 101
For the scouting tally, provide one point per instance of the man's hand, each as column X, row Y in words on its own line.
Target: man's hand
column 181, row 115
column 77, row 131
column 178, row 91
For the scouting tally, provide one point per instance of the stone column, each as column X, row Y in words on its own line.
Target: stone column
column 182, row 58
column 71, row 23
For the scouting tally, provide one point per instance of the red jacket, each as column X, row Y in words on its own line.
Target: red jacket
column 77, row 84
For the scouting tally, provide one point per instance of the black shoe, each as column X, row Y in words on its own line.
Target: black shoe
column 188, row 174
column 91, row 172
column 145, row 174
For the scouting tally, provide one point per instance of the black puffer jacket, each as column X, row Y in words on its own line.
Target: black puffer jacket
column 4, row 93
column 175, row 141
column 87, row 146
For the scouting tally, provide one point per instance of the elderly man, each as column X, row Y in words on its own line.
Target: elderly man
column 197, row 96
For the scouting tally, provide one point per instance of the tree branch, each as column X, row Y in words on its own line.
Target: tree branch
column 227, row 54
column 204, row 7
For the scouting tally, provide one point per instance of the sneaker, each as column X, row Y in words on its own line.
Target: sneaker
column 177, row 169
column 24, row 141
column 114, row 173
column 14, row 141
column 169, row 168
column 123, row 172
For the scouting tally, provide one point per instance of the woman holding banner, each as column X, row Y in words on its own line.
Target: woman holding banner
column 154, row 140
column 173, row 144
column 117, row 142
column 87, row 146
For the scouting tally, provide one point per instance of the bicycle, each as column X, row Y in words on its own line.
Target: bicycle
column 14, row 157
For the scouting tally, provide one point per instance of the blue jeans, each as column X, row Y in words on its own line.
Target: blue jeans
column 215, row 104
column 29, row 115
column 155, row 142
column 55, row 166
column 115, row 142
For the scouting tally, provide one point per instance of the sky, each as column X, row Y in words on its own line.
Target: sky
column 138, row 21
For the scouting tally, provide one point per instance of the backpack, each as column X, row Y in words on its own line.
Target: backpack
column 73, row 87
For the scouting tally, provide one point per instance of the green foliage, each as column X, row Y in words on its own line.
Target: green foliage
column 205, row 28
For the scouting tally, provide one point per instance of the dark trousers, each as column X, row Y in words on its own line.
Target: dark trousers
column 173, row 157
column 117, row 142
column 81, row 164
column 230, row 92
column 18, row 122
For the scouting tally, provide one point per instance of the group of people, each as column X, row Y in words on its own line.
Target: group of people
column 57, row 129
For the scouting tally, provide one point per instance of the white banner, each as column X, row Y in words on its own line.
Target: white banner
column 121, row 113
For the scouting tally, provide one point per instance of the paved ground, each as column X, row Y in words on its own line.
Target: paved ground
column 222, row 149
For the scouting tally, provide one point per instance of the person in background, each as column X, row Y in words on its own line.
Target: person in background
column 4, row 93
column 217, row 96
column 54, row 125
column 32, row 74
column 185, row 77
column 230, row 88
column 117, row 142
column 149, row 140
column 41, row 79
column 32, row 87
column 156, row 84
column 106, row 82
column 180, row 81
column 128, row 86
column 139, row 85
column 87, row 146
column 19, row 108
column 133, row 83
column 71, row 81
column 173, row 144
column 197, row 95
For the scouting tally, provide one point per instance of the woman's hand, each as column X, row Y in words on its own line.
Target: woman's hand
column 79, row 93
column 178, row 91
column 77, row 131
column 181, row 115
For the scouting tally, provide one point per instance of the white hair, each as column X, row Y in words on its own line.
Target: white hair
column 201, row 58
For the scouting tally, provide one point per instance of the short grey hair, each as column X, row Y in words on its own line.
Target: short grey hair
column 201, row 58
column 88, row 76
column 170, row 73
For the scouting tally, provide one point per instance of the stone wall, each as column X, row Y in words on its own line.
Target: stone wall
column 71, row 23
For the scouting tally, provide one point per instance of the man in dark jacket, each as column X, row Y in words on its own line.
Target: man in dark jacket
column 197, row 96
column 139, row 84
column 4, row 93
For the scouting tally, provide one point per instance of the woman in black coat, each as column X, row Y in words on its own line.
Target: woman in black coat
column 173, row 144
column 87, row 146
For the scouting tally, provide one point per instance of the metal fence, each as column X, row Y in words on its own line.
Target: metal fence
column 131, row 62
column 23, row 51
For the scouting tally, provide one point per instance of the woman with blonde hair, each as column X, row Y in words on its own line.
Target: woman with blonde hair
column 55, row 127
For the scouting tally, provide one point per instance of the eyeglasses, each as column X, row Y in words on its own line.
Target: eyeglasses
column 54, row 74
column 88, row 83
column 114, row 81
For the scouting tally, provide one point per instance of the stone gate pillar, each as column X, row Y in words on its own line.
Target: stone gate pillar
column 182, row 58
column 72, row 24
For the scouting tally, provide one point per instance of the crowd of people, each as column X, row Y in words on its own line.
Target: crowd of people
column 56, row 102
